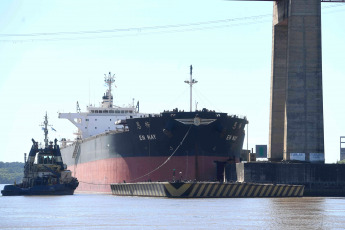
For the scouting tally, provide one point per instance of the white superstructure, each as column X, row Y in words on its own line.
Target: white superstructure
column 101, row 119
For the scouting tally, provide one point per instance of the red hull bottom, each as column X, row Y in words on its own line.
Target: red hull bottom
column 96, row 176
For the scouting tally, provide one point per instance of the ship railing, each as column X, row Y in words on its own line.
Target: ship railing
column 149, row 115
column 237, row 116
column 119, row 130
column 94, row 137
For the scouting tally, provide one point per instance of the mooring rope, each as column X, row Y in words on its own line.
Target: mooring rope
column 166, row 159
column 92, row 183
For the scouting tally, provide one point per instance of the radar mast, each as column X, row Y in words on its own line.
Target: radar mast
column 109, row 80
column 191, row 82
column 45, row 129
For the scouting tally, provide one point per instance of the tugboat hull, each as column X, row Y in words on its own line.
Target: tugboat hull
column 58, row 189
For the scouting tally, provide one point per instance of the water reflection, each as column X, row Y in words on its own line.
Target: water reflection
column 86, row 211
column 306, row 213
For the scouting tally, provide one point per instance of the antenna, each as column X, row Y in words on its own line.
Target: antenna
column 89, row 93
column 109, row 81
column 78, row 108
column 191, row 82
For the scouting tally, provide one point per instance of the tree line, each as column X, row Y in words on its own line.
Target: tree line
column 11, row 172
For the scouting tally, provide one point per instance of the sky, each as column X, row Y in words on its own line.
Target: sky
column 55, row 53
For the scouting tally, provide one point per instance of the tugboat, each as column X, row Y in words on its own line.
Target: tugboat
column 44, row 172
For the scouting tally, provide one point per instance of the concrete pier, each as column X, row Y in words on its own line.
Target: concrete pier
column 318, row 179
column 296, row 116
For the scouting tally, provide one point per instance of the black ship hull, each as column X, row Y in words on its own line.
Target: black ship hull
column 173, row 145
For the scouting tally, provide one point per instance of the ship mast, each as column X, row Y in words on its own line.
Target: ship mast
column 191, row 82
column 109, row 81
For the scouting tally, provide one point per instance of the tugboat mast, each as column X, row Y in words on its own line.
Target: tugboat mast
column 45, row 131
column 191, row 82
column 109, row 81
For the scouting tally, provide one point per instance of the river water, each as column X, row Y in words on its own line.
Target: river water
column 99, row 211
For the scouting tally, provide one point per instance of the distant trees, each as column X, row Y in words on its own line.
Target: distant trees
column 341, row 162
column 11, row 172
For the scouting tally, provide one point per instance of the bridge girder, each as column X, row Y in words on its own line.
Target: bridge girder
column 283, row 0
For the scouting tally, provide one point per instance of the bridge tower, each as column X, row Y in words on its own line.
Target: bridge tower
column 296, row 111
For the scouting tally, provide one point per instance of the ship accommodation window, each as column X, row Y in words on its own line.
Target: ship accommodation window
column 95, row 119
column 85, row 127
column 110, row 119
column 122, row 111
column 111, row 111
column 117, row 111
column 92, row 111
column 105, row 111
column 130, row 111
column 126, row 111
column 96, row 111
column 100, row 111
column 86, row 119
column 95, row 127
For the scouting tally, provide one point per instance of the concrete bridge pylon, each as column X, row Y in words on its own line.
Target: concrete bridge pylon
column 296, row 111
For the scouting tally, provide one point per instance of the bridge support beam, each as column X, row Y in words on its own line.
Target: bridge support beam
column 296, row 116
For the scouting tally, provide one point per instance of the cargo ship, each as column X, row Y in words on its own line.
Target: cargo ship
column 44, row 172
column 119, row 144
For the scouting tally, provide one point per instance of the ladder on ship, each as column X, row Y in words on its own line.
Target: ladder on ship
column 76, row 149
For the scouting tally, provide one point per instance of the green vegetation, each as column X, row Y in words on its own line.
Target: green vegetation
column 10, row 172
column 341, row 162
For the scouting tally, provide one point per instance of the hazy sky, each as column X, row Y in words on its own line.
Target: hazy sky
column 55, row 53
